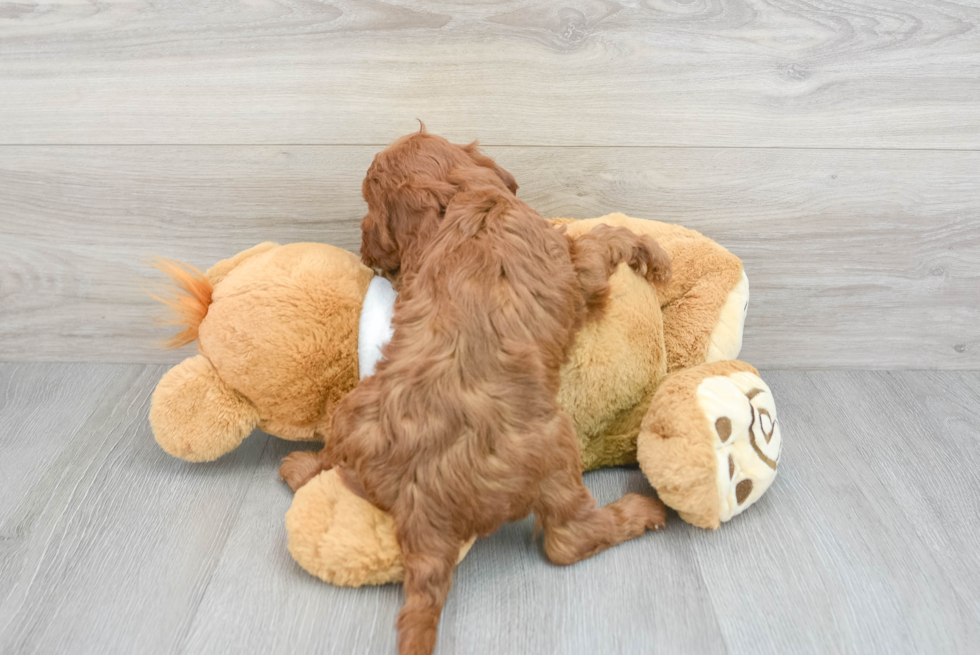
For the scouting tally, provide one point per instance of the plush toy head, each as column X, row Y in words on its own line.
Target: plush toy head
column 278, row 350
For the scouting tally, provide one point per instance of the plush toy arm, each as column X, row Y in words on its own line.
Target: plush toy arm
column 705, row 324
column 195, row 416
column 705, row 301
column 710, row 442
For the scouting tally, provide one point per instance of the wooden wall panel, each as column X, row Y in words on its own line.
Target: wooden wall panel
column 859, row 259
column 781, row 73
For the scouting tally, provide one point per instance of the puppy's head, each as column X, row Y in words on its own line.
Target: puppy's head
column 407, row 189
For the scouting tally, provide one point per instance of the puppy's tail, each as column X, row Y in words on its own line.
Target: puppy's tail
column 187, row 295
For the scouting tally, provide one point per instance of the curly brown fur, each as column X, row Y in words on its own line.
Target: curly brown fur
column 459, row 430
column 408, row 187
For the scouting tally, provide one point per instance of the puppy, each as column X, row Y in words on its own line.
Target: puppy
column 459, row 430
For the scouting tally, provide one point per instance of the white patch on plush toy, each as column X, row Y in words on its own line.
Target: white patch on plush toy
column 726, row 338
column 374, row 329
column 742, row 414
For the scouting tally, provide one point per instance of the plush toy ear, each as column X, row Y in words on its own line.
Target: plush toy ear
column 197, row 417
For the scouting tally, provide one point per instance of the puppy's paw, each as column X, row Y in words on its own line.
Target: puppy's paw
column 647, row 511
column 299, row 468
column 650, row 260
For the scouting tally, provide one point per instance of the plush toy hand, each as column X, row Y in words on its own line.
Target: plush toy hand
column 196, row 416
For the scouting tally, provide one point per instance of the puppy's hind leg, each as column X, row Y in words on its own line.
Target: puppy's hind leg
column 302, row 466
column 574, row 527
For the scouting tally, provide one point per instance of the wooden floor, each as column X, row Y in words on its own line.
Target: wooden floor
column 866, row 543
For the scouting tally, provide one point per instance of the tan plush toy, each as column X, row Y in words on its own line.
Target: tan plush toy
column 286, row 331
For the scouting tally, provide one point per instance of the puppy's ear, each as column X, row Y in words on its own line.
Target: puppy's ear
column 480, row 159
column 424, row 193
column 417, row 210
column 378, row 250
column 400, row 219
column 505, row 175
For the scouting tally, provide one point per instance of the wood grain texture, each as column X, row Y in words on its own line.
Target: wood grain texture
column 856, row 258
column 862, row 504
column 506, row 598
column 924, row 408
column 865, row 542
column 111, row 548
column 42, row 409
column 862, row 73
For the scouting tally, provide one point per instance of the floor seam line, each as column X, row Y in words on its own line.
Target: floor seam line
column 182, row 648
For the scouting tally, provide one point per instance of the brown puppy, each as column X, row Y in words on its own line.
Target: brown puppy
column 459, row 429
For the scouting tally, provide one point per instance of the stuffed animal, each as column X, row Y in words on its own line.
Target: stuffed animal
column 285, row 332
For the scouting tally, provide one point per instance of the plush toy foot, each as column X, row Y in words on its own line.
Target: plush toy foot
column 341, row 538
column 710, row 442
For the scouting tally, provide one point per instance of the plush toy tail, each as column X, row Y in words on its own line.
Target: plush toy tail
column 188, row 298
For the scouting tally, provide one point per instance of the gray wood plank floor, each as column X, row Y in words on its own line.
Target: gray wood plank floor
column 867, row 542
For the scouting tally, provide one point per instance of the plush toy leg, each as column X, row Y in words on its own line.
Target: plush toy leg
column 706, row 322
column 710, row 442
column 195, row 416
column 343, row 539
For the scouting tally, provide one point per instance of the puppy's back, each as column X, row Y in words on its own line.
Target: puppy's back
column 498, row 277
